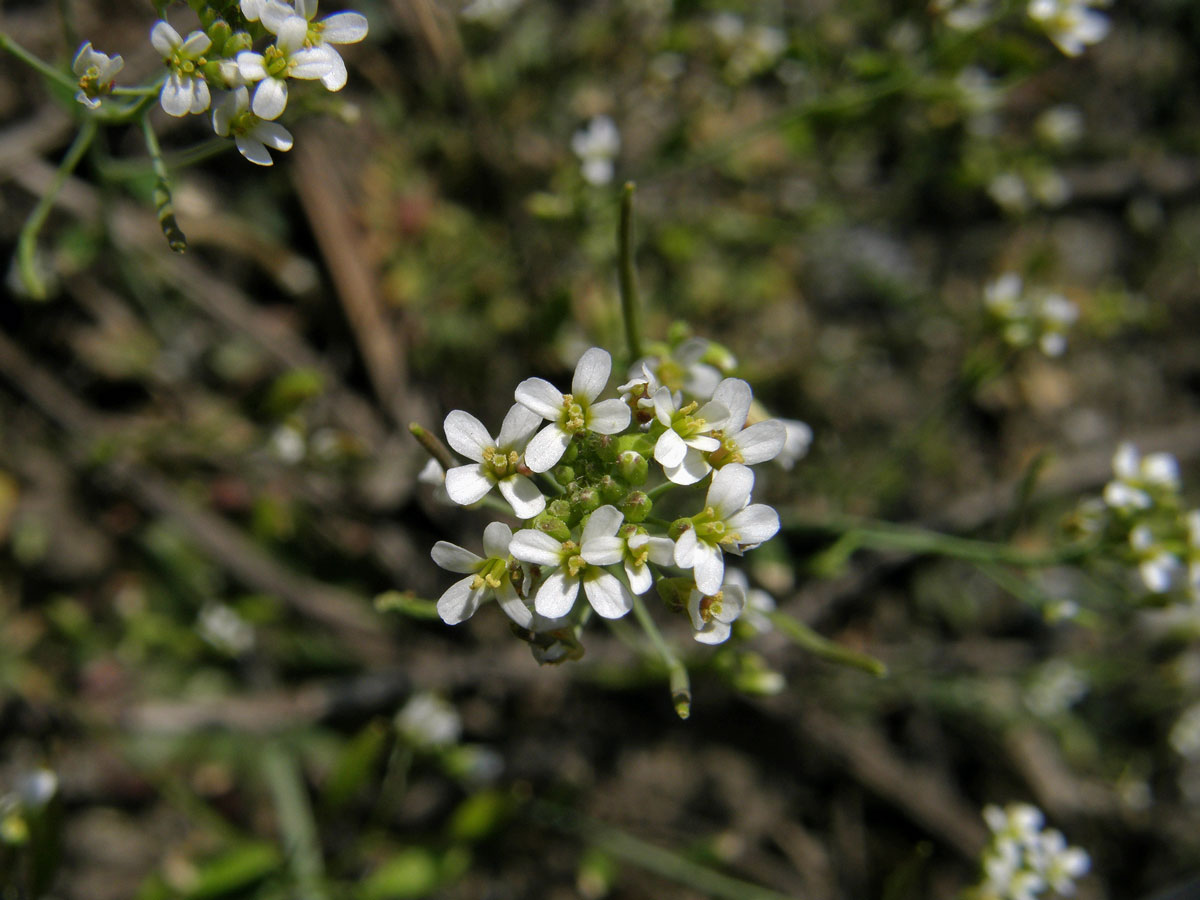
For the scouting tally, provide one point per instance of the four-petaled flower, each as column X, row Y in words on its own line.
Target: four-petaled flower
column 727, row 523
column 681, row 449
column 96, row 73
column 750, row 445
column 487, row 576
column 555, row 598
column 185, row 90
column 322, row 34
column 606, row 542
column 497, row 462
column 1138, row 480
column 232, row 116
column 286, row 58
column 573, row 413
column 713, row 614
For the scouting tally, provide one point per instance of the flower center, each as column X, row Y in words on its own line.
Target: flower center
column 574, row 415
column 499, row 463
column 710, row 606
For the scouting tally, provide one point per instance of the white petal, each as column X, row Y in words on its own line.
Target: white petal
column 272, row 134
column 602, row 522
column 703, row 443
column 669, row 449
column 200, row 96
column 735, row 395
column 537, row 547
column 689, row 470
column 270, row 98
column 608, row 417
column 514, row 607
column 467, row 484
column 662, row 551
column 164, row 38
column 496, row 538
column 306, row 8
column 714, row 633
column 459, row 602
column 603, row 550
column 310, row 64
column 1125, row 461
column 715, row 413
column 251, row 65
column 641, row 579
column 685, row 549
column 291, row 33
column 754, row 524
column 761, row 441
column 176, row 97
column 546, row 448
column 344, row 28
column 466, row 435
column 591, row 374
column 609, row 598
column 197, row 43
column 335, row 79
column 274, row 14
column 730, row 490
column 522, row 495
column 253, row 150
column 540, row 396
column 518, row 427
column 454, row 558
column 556, row 596
column 708, row 567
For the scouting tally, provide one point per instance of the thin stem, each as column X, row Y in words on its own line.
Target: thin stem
column 42, row 67
column 665, row 863
column 628, row 275
column 681, row 689
column 294, row 816
column 819, row 645
column 433, row 445
column 27, row 240
column 658, row 490
column 162, row 191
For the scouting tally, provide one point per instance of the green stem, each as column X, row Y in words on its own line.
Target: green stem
column 657, row 491
column 42, row 67
column 628, row 275
column 162, row 191
column 819, row 645
column 681, row 690
column 27, row 240
column 664, row 863
column 294, row 816
column 433, row 445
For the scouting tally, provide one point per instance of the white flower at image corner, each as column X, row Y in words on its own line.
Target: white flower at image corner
column 573, row 413
column 286, row 58
column 727, row 523
column 185, row 90
column 322, row 34
column 748, row 445
column 605, row 542
column 497, row 463
column 596, row 146
column 713, row 614
column 1135, row 478
column 232, row 117
column 96, row 72
column 680, row 449
column 1071, row 24
column 556, row 597
column 487, row 576
column 1157, row 565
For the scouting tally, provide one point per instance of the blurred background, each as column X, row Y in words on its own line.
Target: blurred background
column 206, row 476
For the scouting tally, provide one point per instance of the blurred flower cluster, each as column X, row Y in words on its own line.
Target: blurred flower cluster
column 1023, row 861
column 585, row 474
column 1026, row 316
column 238, row 64
column 1072, row 25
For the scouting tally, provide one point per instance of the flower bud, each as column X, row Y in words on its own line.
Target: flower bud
column 678, row 527
column 586, row 500
column 559, row 508
column 236, row 43
column 611, row 490
column 675, row 592
column 552, row 525
column 633, row 466
column 564, row 474
column 635, row 506
column 219, row 32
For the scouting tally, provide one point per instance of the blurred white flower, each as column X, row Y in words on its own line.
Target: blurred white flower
column 96, row 72
column 1071, row 24
column 429, row 722
column 596, row 146
column 232, row 117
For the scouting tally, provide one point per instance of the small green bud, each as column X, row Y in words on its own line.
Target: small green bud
column 571, row 452
column 611, row 490
column 553, row 526
column 236, row 43
column 586, row 500
column 564, row 474
column 559, row 508
column 218, row 32
column 678, row 527
column 635, row 506
column 675, row 592
column 606, row 448
column 633, row 466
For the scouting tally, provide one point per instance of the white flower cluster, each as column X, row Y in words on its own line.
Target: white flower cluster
column 965, row 15
column 218, row 67
column 1072, row 24
column 593, row 535
column 1140, row 513
column 1027, row 317
column 1022, row 861
column 750, row 50
column 597, row 146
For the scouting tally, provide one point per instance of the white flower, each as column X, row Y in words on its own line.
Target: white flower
column 695, row 366
column 713, row 614
column 727, row 523
column 759, row 604
column 638, row 393
column 797, row 439
column 486, row 577
column 1055, row 314
column 96, row 73
column 232, row 116
column 429, row 721
column 252, row 9
column 223, row 628
column 965, row 15
column 185, row 90
column 751, row 445
column 680, row 449
column 1137, row 479
column 1071, row 24
column 286, row 58
column 605, row 543
column 597, row 146
column 1156, row 564
column 1185, row 733
column 497, row 462
column 1059, row 864
column 573, row 413
column 322, row 34
column 556, row 597
column 434, row 475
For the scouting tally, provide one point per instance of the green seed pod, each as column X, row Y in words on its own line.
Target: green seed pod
column 633, row 466
column 635, row 506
